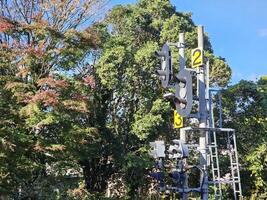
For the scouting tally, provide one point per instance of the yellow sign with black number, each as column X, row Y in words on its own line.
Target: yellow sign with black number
column 197, row 57
column 178, row 120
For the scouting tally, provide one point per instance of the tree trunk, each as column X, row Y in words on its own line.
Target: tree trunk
column 96, row 173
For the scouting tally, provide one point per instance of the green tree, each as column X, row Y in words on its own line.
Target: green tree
column 126, row 67
column 47, row 91
column 245, row 110
column 60, row 115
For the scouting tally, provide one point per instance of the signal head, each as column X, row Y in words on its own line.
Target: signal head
column 165, row 73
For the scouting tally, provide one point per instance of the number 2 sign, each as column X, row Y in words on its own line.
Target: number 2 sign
column 197, row 57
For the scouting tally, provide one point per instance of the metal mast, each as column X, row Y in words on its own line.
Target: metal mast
column 178, row 151
column 182, row 61
column 202, row 117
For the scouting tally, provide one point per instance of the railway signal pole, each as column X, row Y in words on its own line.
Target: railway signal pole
column 202, row 109
column 178, row 151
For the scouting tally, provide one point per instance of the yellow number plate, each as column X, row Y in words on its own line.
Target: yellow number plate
column 178, row 120
column 197, row 57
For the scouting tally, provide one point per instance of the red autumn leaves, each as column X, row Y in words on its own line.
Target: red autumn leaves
column 48, row 93
column 5, row 25
column 90, row 81
column 50, row 90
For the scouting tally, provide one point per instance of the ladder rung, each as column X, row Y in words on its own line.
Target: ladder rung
column 235, row 169
column 213, row 145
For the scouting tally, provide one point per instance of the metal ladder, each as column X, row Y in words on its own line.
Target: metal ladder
column 215, row 166
column 235, row 174
column 232, row 151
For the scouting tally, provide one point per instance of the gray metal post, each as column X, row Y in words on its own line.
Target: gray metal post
column 203, row 118
column 207, row 71
column 182, row 60
column 182, row 66
column 181, row 51
column 220, row 106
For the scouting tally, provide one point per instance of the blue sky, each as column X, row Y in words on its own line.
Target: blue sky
column 237, row 30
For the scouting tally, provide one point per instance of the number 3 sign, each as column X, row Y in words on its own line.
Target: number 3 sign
column 178, row 120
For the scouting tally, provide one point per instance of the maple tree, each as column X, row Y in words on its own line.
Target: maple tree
column 80, row 100
column 47, row 87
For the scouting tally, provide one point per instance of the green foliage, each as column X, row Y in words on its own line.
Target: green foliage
column 136, row 171
column 45, row 104
column 127, row 65
column 79, row 106
column 150, row 123
column 257, row 165
column 245, row 110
